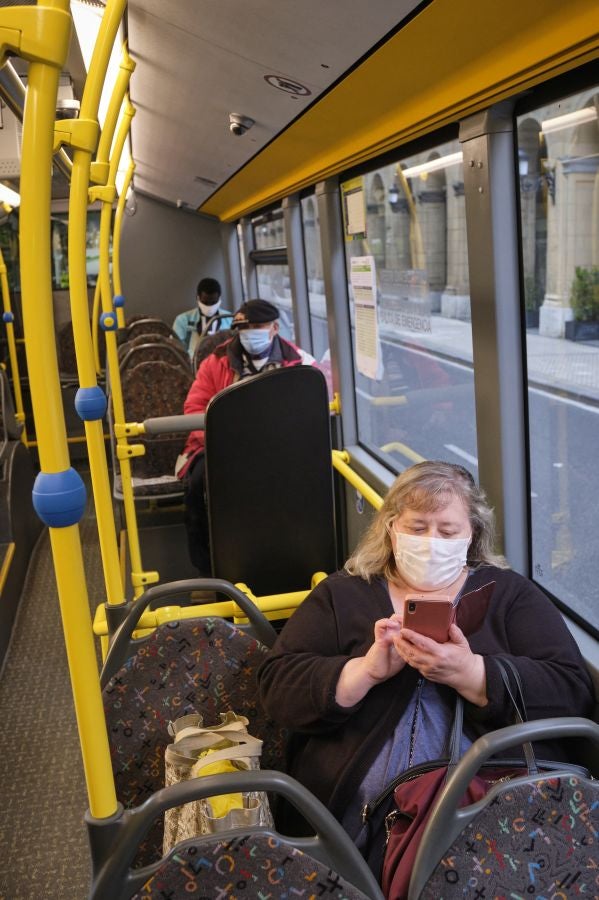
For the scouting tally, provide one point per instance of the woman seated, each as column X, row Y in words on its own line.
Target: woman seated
column 365, row 697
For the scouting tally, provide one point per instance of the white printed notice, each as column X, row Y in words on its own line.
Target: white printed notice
column 368, row 349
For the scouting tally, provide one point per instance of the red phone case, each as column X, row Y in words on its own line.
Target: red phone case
column 431, row 618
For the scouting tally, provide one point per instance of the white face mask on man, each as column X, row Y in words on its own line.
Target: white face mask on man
column 429, row 563
column 208, row 310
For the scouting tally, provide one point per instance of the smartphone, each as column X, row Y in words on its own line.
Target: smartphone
column 429, row 617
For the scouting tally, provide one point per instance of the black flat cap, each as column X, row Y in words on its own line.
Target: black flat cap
column 255, row 312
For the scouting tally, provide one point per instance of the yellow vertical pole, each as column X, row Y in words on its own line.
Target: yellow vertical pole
column 41, row 35
column 9, row 319
column 90, row 402
column 116, row 246
column 139, row 577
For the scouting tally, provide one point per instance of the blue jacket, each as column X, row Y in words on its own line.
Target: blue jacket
column 186, row 325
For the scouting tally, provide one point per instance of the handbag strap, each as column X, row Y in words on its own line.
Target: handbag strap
column 194, row 724
column 187, row 752
column 250, row 748
column 455, row 736
column 506, row 666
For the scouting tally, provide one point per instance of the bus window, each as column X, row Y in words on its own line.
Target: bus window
column 415, row 394
column 316, row 295
column 558, row 160
column 244, row 286
column 273, row 278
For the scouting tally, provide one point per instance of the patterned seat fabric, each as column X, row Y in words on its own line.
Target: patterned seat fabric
column 205, row 666
column 153, row 389
column 177, row 350
column 208, row 345
column 148, row 325
column 65, row 346
column 253, row 866
column 531, row 840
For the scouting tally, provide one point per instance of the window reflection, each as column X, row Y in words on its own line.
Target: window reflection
column 60, row 250
column 273, row 285
column 420, row 402
column 316, row 295
column 558, row 162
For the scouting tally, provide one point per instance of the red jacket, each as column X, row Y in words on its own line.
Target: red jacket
column 222, row 368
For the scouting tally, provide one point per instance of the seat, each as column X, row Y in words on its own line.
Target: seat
column 67, row 358
column 152, row 389
column 208, row 344
column 238, row 863
column 260, row 434
column 202, row 665
column 531, row 836
column 132, row 353
column 148, row 325
column 173, row 343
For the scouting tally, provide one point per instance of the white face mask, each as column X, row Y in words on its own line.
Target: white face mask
column 429, row 563
column 209, row 310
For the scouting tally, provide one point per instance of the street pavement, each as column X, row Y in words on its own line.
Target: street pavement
column 555, row 364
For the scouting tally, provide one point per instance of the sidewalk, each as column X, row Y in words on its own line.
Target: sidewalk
column 554, row 364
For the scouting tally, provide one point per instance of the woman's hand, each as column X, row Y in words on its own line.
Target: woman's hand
column 381, row 662
column 452, row 663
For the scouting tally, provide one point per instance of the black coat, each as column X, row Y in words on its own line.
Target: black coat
column 333, row 747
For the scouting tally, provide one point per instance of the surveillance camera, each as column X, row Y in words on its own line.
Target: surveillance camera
column 238, row 125
column 179, row 203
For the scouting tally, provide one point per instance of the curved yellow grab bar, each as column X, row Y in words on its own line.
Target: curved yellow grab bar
column 341, row 460
column 91, row 400
column 140, row 578
column 100, row 168
column 59, row 494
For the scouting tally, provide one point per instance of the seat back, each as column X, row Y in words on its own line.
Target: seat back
column 527, row 837
column 148, row 325
column 152, row 389
column 205, row 666
column 208, row 344
column 67, row 358
column 126, row 344
column 253, row 863
column 150, row 351
column 269, row 480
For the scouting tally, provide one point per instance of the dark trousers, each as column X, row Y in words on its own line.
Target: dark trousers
column 196, row 517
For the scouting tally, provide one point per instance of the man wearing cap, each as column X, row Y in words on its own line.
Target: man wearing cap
column 256, row 347
column 193, row 324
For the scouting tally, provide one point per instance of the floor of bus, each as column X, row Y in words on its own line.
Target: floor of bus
column 43, row 842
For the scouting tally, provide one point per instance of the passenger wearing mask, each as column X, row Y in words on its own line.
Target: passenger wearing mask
column 367, row 697
column 192, row 325
column 256, row 347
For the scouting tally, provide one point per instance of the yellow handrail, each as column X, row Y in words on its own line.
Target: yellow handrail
column 116, row 245
column 82, row 134
column 59, row 494
column 12, row 349
column 341, row 460
column 100, row 168
column 140, row 578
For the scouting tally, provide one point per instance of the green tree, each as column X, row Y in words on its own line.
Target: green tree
column 584, row 294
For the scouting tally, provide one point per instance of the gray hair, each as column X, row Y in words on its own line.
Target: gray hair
column 427, row 487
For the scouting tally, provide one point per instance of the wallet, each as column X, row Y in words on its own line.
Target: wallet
column 472, row 608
